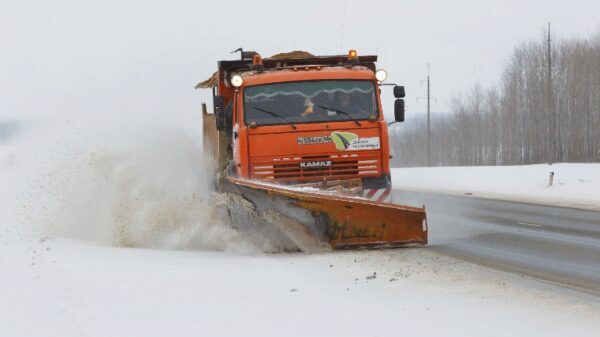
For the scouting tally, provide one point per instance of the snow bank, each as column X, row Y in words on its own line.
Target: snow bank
column 575, row 185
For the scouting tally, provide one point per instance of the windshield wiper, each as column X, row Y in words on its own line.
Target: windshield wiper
column 274, row 114
column 340, row 111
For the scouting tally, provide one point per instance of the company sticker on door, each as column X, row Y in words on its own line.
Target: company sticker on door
column 343, row 141
column 351, row 142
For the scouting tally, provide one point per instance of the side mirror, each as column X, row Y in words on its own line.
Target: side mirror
column 398, row 109
column 399, row 91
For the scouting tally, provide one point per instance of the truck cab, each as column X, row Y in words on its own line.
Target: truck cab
column 296, row 120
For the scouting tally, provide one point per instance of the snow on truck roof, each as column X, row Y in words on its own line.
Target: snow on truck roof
column 291, row 59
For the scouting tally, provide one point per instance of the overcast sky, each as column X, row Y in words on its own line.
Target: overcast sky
column 90, row 57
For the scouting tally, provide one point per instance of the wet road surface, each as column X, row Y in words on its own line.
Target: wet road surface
column 554, row 244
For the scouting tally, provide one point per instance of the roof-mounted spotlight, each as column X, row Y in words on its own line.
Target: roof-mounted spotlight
column 236, row 81
column 381, row 75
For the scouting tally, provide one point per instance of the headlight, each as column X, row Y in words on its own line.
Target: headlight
column 381, row 75
column 237, row 81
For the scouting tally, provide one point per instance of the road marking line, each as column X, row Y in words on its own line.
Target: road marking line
column 529, row 224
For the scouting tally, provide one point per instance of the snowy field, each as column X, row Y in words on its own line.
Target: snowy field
column 575, row 185
column 93, row 243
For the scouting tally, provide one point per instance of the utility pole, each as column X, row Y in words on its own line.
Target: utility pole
column 428, row 113
column 428, row 117
column 551, row 108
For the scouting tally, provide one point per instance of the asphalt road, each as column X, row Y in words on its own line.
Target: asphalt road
column 554, row 244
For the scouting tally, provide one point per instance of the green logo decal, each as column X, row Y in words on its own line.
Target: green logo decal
column 342, row 139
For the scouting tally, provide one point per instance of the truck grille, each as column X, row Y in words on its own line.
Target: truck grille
column 316, row 167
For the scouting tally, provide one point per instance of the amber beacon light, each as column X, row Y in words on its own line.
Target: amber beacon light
column 352, row 55
column 257, row 60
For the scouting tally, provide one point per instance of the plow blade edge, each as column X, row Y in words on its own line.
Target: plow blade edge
column 342, row 222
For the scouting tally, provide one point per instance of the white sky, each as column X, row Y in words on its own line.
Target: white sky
column 145, row 56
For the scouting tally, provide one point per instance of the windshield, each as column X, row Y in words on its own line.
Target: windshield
column 310, row 102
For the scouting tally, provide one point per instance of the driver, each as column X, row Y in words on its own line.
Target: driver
column 309, row 107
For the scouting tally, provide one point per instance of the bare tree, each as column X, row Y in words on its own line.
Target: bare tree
column 510, row 124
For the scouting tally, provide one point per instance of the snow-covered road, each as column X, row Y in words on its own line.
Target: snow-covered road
column 57, row 287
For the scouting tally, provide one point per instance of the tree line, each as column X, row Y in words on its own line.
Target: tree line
column 511, row 123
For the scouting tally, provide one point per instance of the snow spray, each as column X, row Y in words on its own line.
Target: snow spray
column 113, row 180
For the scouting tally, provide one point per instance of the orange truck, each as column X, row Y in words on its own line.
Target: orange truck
column 305, row 136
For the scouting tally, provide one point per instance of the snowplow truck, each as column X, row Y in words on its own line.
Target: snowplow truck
column 304, row 140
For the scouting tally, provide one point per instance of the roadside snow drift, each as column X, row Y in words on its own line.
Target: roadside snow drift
column 574, row 185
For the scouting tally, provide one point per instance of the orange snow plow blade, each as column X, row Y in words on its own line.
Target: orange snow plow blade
column 340, row 221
